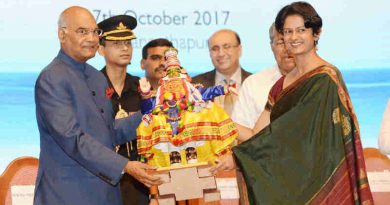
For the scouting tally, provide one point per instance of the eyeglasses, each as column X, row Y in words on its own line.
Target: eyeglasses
column 119, row 44
column 224, row 47
column 278, row 43
column 85, row 31
column 298, row 30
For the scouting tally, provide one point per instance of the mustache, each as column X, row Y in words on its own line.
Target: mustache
column 91, row 46
column 160, row 68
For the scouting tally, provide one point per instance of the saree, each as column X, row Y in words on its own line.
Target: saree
column 311, row 151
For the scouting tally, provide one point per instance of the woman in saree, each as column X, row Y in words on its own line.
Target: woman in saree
column 308, row 150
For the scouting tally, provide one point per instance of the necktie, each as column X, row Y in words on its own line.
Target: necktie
column 228, row 100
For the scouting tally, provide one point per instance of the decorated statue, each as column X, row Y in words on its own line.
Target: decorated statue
column 182, row 133
column 181, row 124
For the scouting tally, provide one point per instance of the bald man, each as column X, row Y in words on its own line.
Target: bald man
column 77, row 163
column 225, row 52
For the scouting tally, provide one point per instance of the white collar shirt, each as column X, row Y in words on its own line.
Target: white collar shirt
column 253, row 96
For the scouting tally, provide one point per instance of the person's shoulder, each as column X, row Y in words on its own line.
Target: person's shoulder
column 245, row 73
column 132, row 77
column 267, row 74
column 269, row 71
column 207, row 78
column 204, row 75
column 329, row 67
column 132, row 80
column 329, row 71
column 54, row 65
column 55, row 69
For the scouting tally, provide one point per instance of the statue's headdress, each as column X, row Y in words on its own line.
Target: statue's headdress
column 172, row 63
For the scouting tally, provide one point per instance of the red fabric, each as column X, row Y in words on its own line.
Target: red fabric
column 277, row 89
column 274, row 93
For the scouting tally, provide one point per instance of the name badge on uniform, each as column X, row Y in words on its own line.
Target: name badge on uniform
column 121, row 113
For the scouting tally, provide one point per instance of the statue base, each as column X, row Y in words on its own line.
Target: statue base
column 184, row 182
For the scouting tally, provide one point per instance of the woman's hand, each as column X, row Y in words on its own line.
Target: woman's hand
column 153, row 202
column 225, row 163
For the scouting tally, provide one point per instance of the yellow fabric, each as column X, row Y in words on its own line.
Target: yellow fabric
column 228, row 100
column 211, row 125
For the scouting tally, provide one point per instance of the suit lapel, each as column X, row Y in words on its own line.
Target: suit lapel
column 212, row 76
column 244, row 74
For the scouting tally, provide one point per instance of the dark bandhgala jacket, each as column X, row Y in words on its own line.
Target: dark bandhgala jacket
column 77, row 162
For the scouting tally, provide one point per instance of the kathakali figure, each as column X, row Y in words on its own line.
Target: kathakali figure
column 181, row 124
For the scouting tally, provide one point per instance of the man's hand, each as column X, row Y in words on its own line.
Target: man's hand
column 144, row 85
column 225, row 163
column 139, row 171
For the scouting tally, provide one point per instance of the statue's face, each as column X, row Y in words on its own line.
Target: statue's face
column 171, row 103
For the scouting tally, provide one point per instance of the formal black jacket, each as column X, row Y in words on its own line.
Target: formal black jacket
column 208, row 79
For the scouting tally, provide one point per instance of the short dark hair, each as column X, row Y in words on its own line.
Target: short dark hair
column 155, row 43
column 305, row 10
column 102, row 42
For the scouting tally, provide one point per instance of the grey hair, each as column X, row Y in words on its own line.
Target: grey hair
column 62, row 20
column 272, row 30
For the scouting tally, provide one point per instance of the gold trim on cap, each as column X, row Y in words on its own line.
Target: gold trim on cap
column 122, row 38
column 116, row 31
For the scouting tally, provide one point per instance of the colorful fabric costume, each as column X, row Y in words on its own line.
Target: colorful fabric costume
column 311, row 152
column 182, row 116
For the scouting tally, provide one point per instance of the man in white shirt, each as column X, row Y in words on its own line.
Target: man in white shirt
column 254, row 91
column 384, row 133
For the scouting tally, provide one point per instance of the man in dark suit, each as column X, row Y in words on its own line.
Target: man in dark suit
column 225, row 52
column 77, row 163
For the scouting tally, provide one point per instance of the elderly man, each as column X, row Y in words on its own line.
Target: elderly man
column 225, row 52
column 254, row 91
column 78, row 164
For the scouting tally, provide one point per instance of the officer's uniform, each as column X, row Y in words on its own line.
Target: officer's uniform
column 120, row 28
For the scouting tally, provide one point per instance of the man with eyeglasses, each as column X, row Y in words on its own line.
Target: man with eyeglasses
column 116, row 48
column 78, row 163
column 225, row 52
column 253, row 94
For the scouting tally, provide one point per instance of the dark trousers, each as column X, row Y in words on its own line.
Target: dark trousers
column 133, row 191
